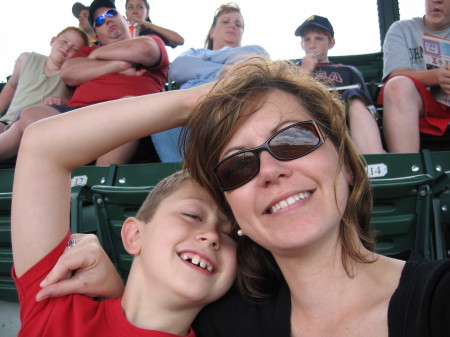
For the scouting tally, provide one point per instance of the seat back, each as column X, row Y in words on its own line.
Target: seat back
column 7, row 287
column 438, row 165
column 83, row 216
column 402, row 203
column 370, row 65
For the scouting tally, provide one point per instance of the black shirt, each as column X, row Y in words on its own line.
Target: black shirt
column 420, row 307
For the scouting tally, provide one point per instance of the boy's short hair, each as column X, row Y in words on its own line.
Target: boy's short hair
column 162, row 190
column 78, row 30
column 316, row 21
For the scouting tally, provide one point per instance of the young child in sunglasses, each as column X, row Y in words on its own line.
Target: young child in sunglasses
column 184, row 255
column 303, row 202
column 120, row 67
column 34, row 71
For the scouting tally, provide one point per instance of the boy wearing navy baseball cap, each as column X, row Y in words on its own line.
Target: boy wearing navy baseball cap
column 317, row 35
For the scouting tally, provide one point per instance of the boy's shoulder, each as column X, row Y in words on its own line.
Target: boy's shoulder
column 20, row 63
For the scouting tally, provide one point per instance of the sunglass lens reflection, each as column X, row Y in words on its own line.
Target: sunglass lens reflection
column 295, row 141
column 237, row 169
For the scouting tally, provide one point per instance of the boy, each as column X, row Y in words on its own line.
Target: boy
column 184, row 257
column 33, row 72
column 409, row 106
column 317, row 38
column 81, row 13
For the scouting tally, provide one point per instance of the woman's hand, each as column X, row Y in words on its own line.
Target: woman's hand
column 84, row 268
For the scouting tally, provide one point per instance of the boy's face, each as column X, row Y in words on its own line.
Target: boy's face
column 65, row 45
column 83, row 20
column 317, row 42
column 437, row 14
column 186, row 248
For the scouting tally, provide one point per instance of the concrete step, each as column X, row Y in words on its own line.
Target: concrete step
column 9, row 319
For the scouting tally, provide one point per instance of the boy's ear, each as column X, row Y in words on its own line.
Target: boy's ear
column 52, row 40
column 331, row 43
column 132, row 231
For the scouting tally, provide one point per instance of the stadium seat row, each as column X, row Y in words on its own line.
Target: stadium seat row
column 411, row 205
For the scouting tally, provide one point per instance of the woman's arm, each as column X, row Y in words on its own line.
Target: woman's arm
column 188, row 68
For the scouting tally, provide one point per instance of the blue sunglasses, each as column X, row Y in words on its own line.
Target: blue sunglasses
column 100, row 20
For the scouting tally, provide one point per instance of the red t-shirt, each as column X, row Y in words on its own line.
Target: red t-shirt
column 114, row 86
column 73, row 315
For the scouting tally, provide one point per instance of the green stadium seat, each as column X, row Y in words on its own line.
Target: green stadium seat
column 83, row 216
column 370, row 65
column 402, row 203
column 7, row 288
column 143, row 174
column 438, row 165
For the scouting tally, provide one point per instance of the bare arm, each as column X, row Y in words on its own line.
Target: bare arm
column 141, row 50
column 174, row 38
column 8, row 91
column 82, row 69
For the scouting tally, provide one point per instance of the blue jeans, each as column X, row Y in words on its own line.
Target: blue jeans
column 166, row 145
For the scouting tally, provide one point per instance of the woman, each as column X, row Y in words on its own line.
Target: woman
column 137, row 12
column 302, row 201
column 200, row 66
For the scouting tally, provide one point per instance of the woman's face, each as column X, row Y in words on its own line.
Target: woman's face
column 313, row 218
column 228, row 30
column 136, row 10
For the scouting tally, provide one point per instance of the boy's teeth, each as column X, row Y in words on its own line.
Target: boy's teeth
column 195, row 260
column 198, row 261
column 289, row 201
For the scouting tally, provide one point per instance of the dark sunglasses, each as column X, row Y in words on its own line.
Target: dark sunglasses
column 100, row 20
column 292, row 142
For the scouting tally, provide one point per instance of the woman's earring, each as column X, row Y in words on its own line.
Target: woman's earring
column 240, row 232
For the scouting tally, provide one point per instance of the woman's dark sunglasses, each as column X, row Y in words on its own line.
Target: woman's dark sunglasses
column 292, row 142
column 100, row 20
